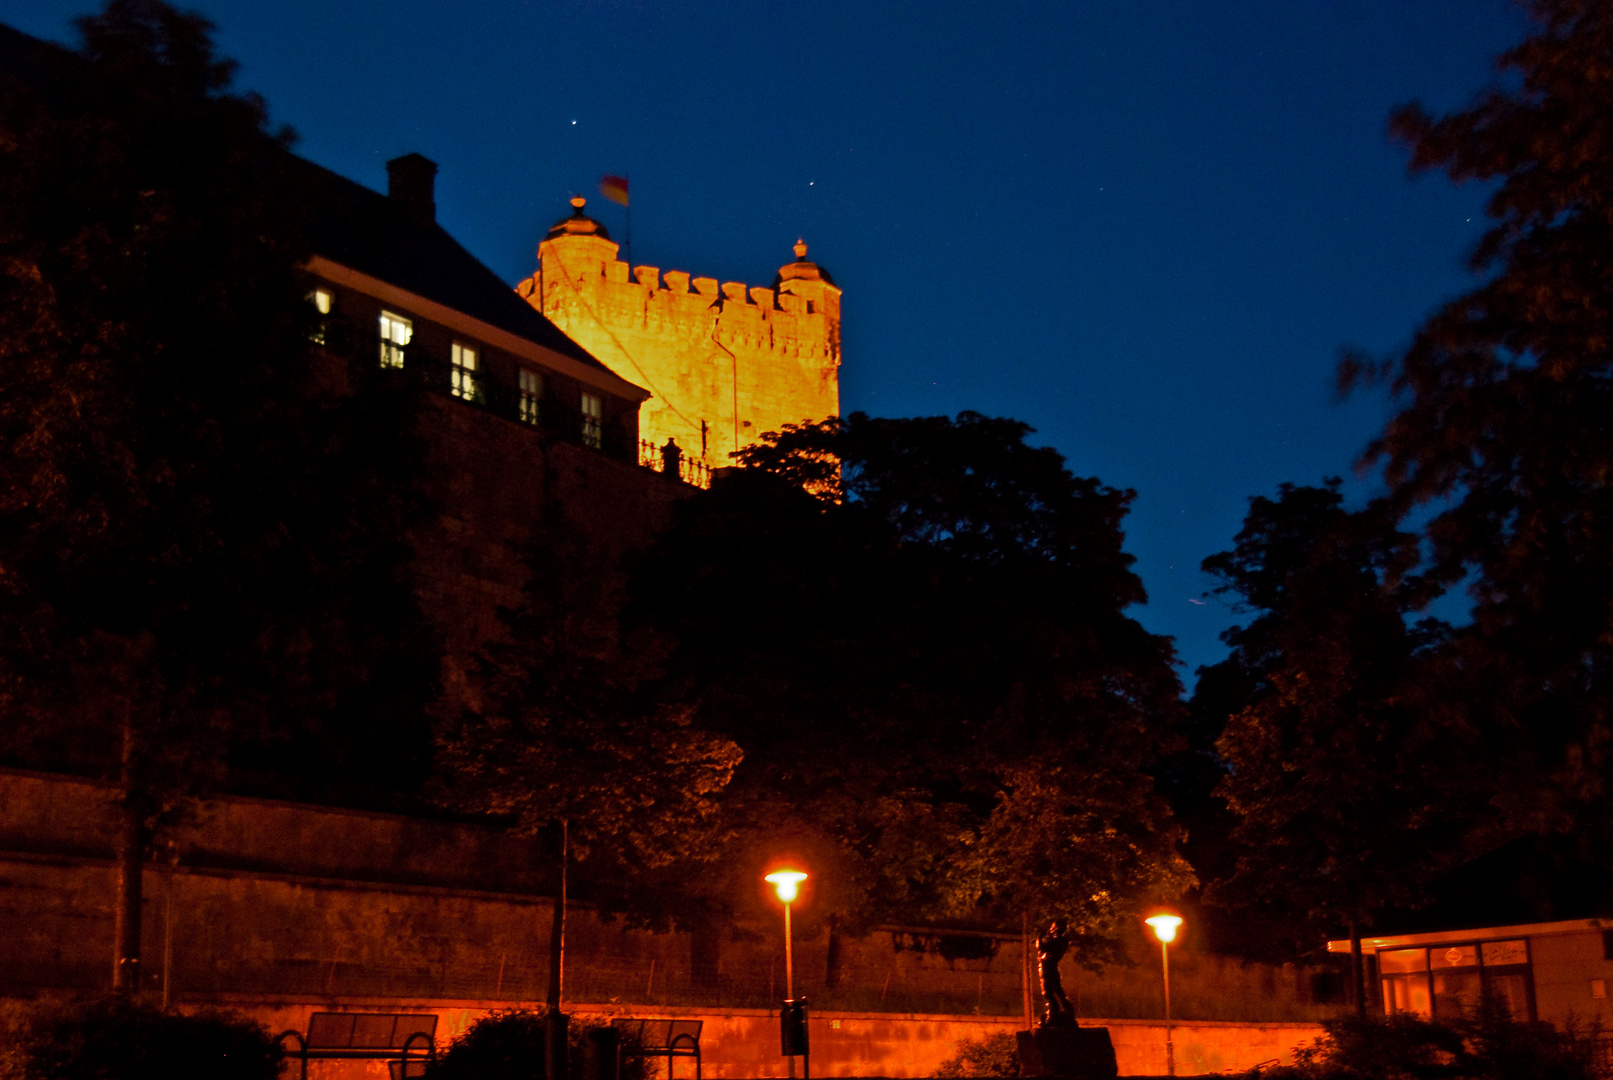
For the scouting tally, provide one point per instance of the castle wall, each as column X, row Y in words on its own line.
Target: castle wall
column 725, row 362
column 494, row 478
column 272, row 900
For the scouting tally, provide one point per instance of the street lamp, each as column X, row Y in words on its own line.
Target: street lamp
column 792, row 1018
column 1165, row 925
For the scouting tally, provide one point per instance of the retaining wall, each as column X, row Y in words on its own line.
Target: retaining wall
column 739, row 1044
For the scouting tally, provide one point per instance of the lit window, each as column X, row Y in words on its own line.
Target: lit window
column 467, row 385
column 323, row 302
column 593, row 421
column 1405, row 981
column 395, row 334
column 531, row 393
column 1449, row 980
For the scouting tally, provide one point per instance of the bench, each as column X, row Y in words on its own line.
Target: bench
column 654, row 1038
column 406, row 1040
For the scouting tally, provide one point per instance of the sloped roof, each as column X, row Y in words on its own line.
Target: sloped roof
column 366, row 231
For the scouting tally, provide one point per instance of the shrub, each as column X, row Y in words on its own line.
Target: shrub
column 1484, row 1045
column 995, row 1055
column 116, row 1039
column 508, row 1045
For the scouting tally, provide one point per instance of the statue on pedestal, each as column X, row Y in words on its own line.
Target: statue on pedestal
column 1050, row 949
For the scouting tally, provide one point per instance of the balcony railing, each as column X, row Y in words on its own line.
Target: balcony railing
column 659, row 459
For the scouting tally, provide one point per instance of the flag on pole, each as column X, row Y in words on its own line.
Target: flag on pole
column 614, row 188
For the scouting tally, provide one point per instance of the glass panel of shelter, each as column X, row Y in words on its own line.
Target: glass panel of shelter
column 1448, row 980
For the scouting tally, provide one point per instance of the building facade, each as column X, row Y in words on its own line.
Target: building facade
column 520, row 420
column 723, row 363
column 1557, row 972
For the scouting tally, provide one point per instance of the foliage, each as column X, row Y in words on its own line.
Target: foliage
column 915, row 630
column 994, row 1055
column 1484, row 1045
column 202, row 535
column 570, row 727
column 1348, row 785
column 508, row 1044
column 1503, row 397
column 114, row 1039
column 202, row 544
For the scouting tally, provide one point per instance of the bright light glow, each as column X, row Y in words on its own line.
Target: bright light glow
column 787, row 882
column 1164, row 926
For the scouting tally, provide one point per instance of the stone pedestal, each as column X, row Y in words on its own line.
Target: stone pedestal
column 1073, row 1052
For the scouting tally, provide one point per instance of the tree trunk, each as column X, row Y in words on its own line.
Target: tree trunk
column 1026, row 983
column 1358, row 982
column 554, row 1025
column 130, row 853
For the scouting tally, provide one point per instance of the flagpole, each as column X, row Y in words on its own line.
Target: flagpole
column 618, row 189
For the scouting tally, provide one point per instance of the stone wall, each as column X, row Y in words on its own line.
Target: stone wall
column 493, row 479
column 264, row 896
column 739, row 1044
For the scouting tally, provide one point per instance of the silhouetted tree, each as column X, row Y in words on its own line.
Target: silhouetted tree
column 1348, row 782
column 1505, row 394
column 915, row 630
column 202, row 546
column 571, row 739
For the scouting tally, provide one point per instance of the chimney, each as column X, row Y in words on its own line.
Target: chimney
column 411, row 180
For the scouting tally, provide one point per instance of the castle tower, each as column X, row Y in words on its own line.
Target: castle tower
column 725, row 363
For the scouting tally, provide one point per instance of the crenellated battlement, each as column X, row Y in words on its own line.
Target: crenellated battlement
column 725, row 361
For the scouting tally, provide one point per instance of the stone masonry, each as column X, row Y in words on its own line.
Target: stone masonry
column 725, row 363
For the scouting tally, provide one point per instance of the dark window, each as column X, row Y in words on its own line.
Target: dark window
column 593, row 420
column 531, row 387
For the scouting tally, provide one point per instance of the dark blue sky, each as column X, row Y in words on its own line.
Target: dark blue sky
column 1146, row 228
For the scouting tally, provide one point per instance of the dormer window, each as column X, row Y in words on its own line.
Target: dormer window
column 466, row 382
column 593, row 421
column 395, row 334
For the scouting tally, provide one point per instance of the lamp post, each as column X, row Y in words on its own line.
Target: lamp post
column 792, row 1018
column 1165, row 925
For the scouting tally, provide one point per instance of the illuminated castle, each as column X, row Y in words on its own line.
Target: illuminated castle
column 724, row 363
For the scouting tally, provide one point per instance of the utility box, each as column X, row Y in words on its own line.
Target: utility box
column 793, row 1027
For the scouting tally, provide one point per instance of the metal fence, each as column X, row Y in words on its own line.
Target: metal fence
column 524, row 979
column 690, row 470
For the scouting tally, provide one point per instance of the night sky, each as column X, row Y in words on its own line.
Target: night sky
column 1145, row 228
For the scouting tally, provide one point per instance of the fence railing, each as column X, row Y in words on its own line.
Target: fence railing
column 516, row 978
column 522, row 977
column 659, row 458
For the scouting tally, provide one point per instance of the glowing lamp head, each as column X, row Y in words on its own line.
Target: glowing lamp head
column 788, row 883
column 1164, row 926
